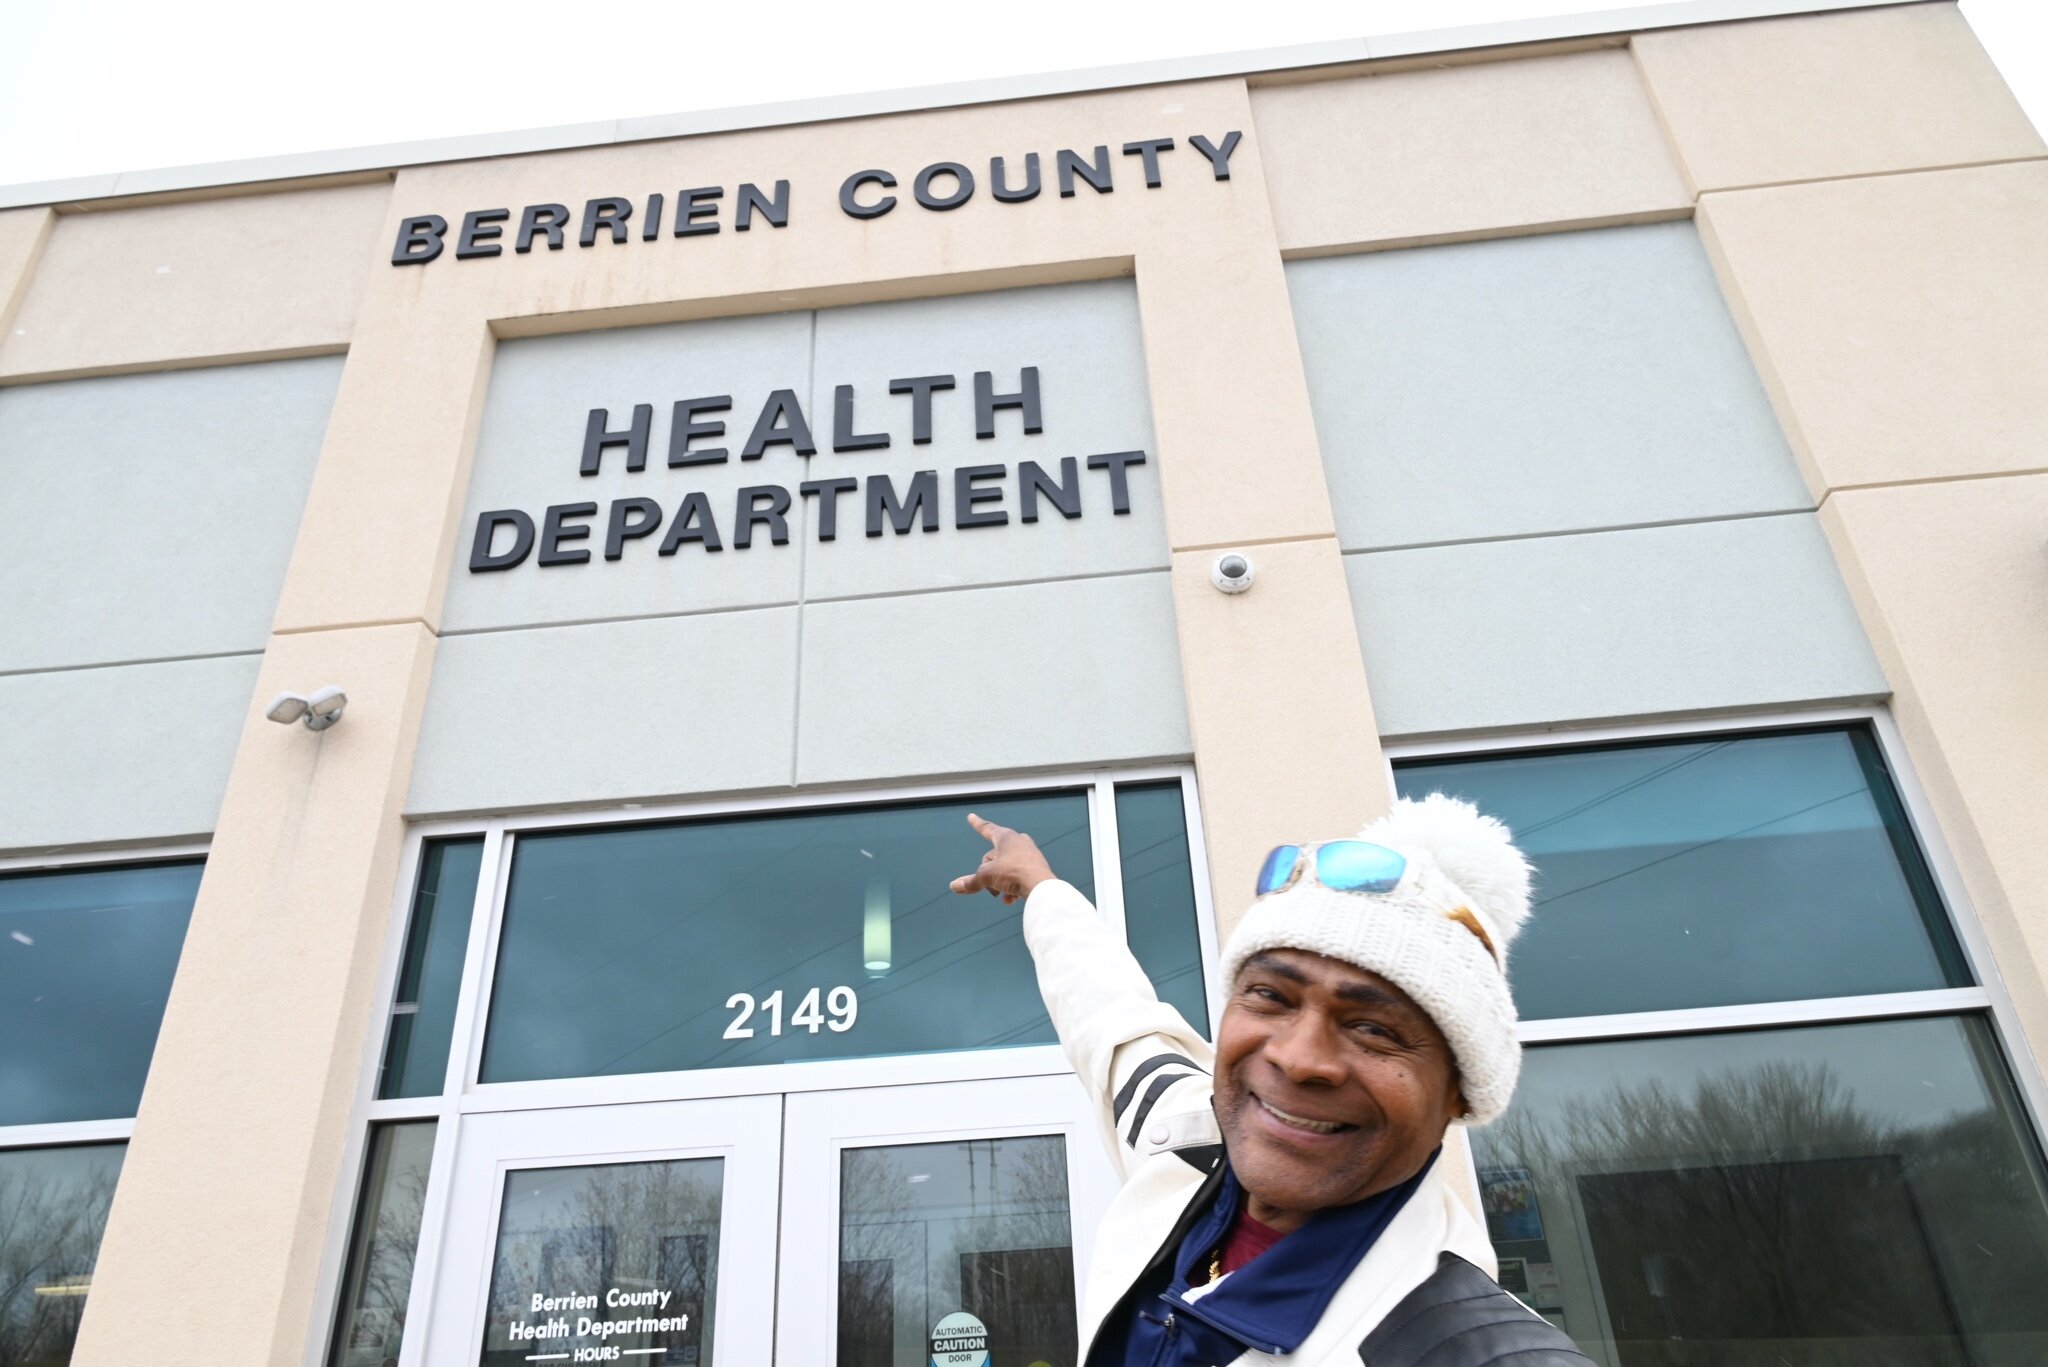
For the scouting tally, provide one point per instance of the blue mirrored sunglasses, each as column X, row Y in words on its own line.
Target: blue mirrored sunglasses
column 1340, row 865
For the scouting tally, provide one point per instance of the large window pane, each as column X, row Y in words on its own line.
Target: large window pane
column 710, row 944
column 53, row 1209
column 423, row 1013
column 970, row 1240
column 1848, row 1194
column 613, row 1255
column 86, row 959
column 1710, row 872
column 377, row 1282
column 1160, row 917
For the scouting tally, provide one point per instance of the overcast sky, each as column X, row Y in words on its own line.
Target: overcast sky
column 93, row 86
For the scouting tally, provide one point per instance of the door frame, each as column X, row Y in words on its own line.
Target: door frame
column 744, row 1132
column 818, row 1127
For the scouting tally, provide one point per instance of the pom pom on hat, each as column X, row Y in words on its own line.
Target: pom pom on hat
column 1475, row 852
column 1441, row 935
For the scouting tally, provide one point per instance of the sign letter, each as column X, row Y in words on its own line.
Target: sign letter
column 1219, row 157
column 1119, row 490
column 853, row 207
column 634, row 438
column 987, row 401
column 419, row 240
column 487, row 524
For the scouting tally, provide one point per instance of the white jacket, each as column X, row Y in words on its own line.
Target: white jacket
column 1148, row 1073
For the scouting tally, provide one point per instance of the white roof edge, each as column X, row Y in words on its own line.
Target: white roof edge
column 391, row 156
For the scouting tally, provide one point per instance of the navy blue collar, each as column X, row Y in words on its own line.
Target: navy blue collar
column 1275, row 1300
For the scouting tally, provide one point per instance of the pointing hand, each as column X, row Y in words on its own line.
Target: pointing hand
column 1012, row 867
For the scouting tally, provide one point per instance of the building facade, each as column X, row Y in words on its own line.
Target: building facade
column 1631, row 424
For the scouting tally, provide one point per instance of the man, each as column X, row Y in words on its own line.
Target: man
column 1283, row 1195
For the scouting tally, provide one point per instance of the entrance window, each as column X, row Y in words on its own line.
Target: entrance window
column 767, row 939
column 619, row 1255
column 423, row 1011
column 1159, row 895
column 972, row 1238
column 378, row 1278
column 1764, row 1115
column 598, row 1027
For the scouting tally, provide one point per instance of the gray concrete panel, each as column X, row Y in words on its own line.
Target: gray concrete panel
column 614, row 711
column 1608, row 625
column 1534, row 384
column 151, row 516
column 1085, row 342
column 529, row 452
column 125, row 753
column 1063, row 674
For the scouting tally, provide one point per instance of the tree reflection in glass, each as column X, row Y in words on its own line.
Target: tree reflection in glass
column 981, row 1226
column 629, row 1245
column 1856, row 1194
column 377, row 1281
column 53, row 1209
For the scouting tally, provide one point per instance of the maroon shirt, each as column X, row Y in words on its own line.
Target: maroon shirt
column 1247, row 1240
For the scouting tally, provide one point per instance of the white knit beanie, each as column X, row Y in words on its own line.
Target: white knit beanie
column 1463, row 870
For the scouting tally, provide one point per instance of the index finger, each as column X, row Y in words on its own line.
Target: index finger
column 987, row 830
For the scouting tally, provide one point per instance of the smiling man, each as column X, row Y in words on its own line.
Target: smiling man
column 1283, row 1196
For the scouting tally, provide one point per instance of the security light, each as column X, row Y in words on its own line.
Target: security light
column 325, row 704
column 319, row 710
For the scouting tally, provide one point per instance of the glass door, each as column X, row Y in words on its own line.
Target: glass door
column 636, row 1234
column 940, row 1224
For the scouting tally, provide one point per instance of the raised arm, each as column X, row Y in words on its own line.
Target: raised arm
column 1128, row 1047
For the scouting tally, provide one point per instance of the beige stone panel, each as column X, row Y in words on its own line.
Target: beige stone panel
column 381, row 516
column 239, row 1142
column 1850, row 93
column 225, row 279
column 823, row 249
column 22, row 235
column 1238, row 457
column 1501, row 147
column 1285, row 746
column 1952, row 585
column 1900, row 322
column 380, row 525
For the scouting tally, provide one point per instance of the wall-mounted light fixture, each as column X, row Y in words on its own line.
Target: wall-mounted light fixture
column 319, row 709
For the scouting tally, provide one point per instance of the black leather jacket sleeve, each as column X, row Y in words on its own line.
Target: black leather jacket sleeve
column 1459, row 1318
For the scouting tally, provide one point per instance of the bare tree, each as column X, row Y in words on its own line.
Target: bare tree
column 1764, row 1217
column 50, row 1227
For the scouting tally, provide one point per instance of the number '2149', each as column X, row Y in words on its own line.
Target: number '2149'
column 841, row 1009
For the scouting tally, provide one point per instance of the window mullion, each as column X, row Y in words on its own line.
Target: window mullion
column 1109, row 863
column 1707, row 1019
column 465, row 1048
column 402, row 1108
column 65, row 1132
column 1206, row 929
